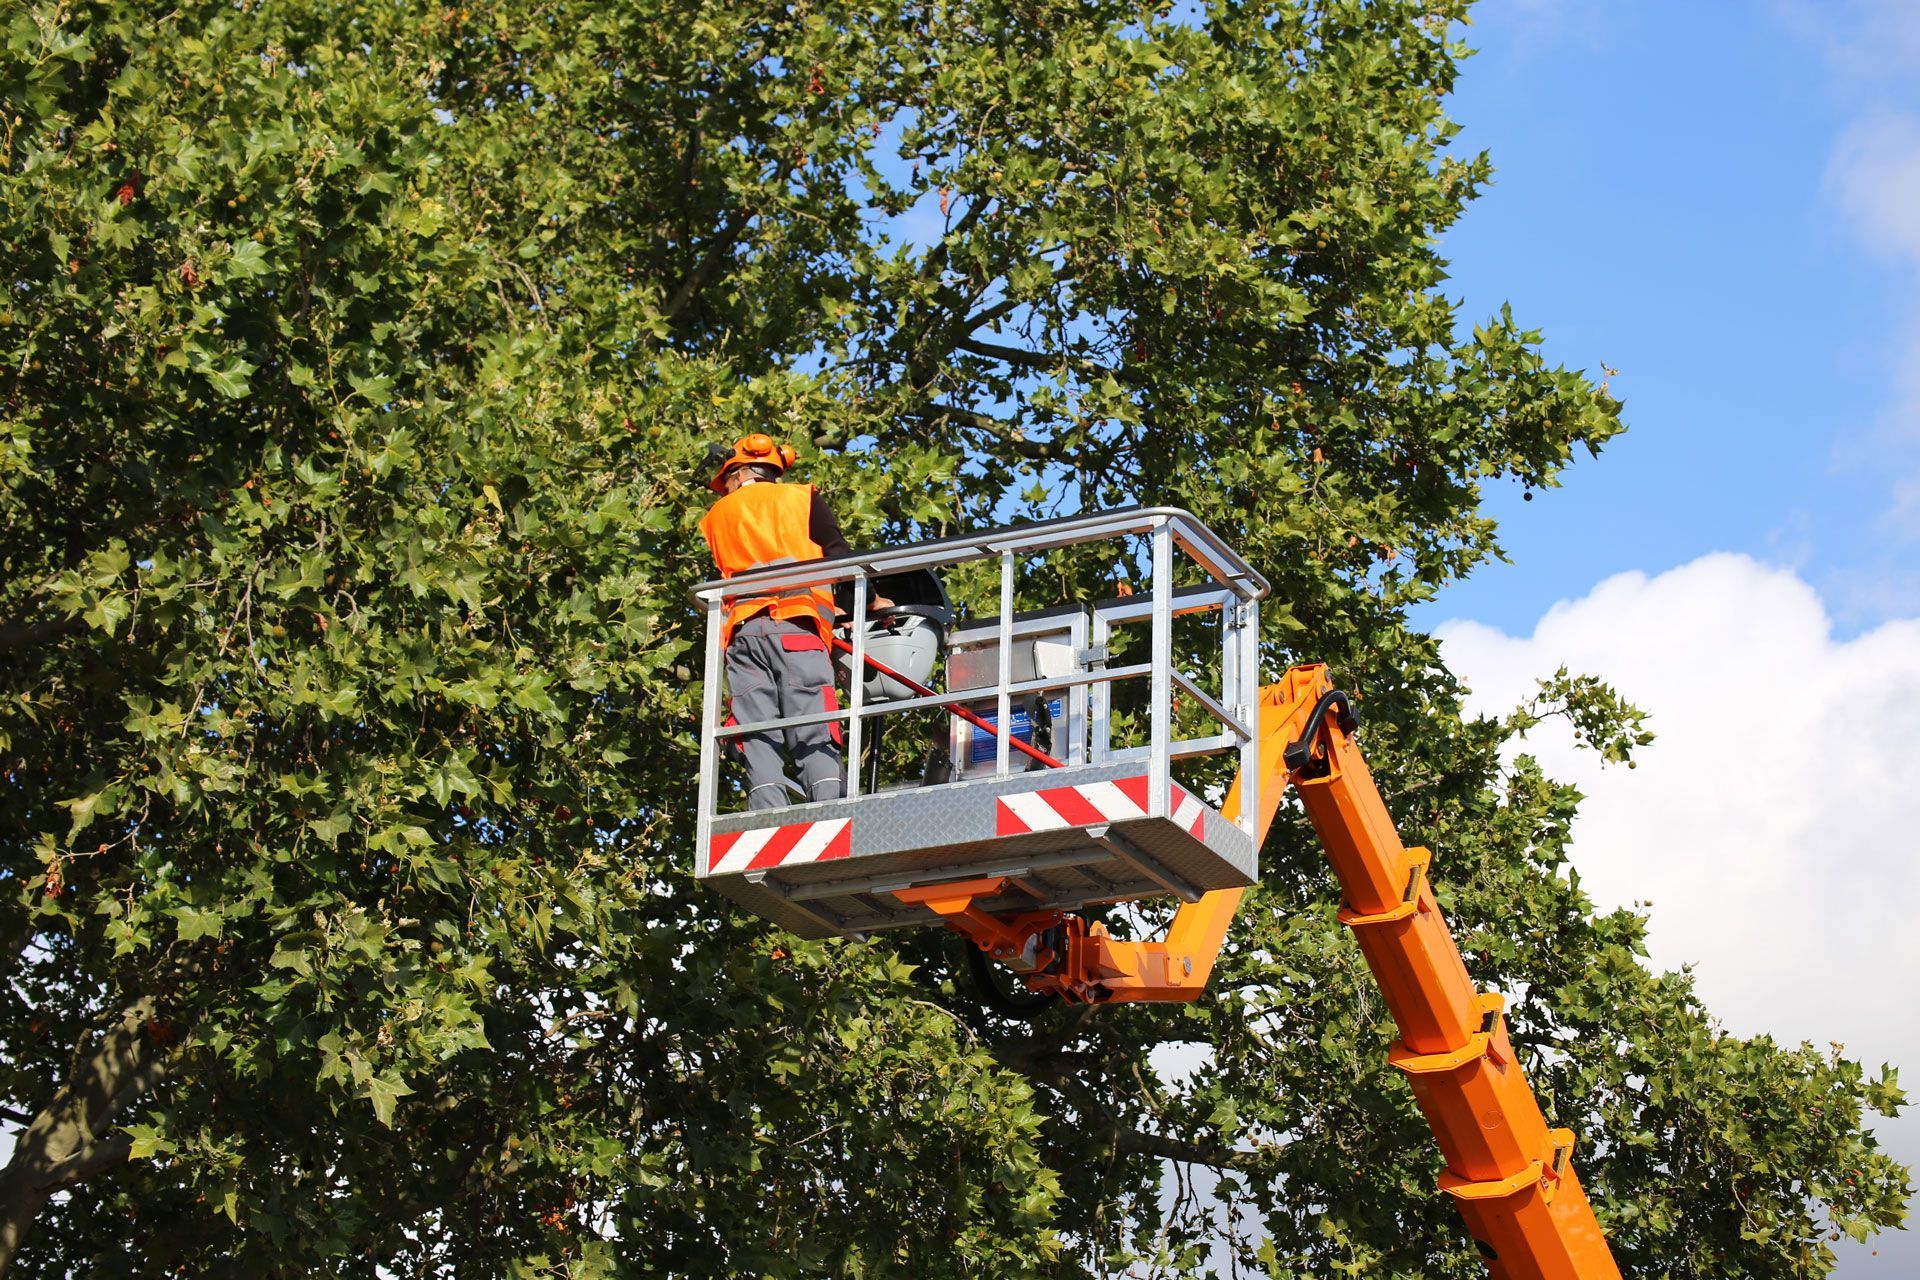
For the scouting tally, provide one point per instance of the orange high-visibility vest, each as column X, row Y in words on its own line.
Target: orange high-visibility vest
column 765, row 524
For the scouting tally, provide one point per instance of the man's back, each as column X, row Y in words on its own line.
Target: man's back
column 760, row 524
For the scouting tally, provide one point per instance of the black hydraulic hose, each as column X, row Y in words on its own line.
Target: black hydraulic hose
column 873, row 756
column 1299, row 754
column 1023, row 1004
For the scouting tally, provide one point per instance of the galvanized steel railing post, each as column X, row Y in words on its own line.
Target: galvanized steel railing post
column 856, row 695
column 709, row 721
column 1161, row 715
column 1249, row 676
column 1005, row 678
column 1100, row 712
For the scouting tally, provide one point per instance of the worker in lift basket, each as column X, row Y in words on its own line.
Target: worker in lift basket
column 776, row 645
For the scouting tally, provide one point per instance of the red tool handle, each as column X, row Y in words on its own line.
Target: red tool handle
column 962, row 712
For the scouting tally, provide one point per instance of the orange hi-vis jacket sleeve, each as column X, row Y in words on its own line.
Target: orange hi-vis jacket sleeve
column 767, row 524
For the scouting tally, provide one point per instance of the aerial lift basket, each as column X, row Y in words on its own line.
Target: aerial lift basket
column 1005, row 854
column 1064, row 808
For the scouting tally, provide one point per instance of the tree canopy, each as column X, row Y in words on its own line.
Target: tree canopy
column 353, row 362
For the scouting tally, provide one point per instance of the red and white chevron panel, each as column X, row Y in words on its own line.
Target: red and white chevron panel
column 780, row 846
column 1090, row 804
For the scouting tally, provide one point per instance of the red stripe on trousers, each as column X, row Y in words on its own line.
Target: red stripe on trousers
column 832, row 701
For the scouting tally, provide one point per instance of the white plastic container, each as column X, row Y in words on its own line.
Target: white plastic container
column 904, row 640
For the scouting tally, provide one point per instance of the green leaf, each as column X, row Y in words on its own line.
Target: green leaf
column 108, row 612
column 232, row 380
column 249, row 259
column 196, row 923
column 384, row 1090
column 83, row 809
column 375, row 390
column 332, row 827
column 147, row 1142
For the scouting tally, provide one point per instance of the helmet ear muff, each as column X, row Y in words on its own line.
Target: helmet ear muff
column 758, row 451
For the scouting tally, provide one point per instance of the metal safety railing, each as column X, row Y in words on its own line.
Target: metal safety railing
column 1231, row 587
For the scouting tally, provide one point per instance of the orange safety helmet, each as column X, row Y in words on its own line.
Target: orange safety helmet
column 757, row 449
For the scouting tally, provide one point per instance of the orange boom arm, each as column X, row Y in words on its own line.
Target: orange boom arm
column 1510, row 1175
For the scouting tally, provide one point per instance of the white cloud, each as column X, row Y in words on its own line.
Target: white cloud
column 1875, row 174
column 1873, row 178
column 1537, row 25
column 1864, row 40
column 1774, row 823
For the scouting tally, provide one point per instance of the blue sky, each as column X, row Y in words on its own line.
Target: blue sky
column 1722, row 202
column 1678, row 194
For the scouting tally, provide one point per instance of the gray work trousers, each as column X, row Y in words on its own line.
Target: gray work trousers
column 774, row 670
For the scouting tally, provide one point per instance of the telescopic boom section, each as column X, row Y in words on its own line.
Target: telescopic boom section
column 1510, row 1175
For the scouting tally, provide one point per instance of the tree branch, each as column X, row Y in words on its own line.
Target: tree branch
column 93, row 1158
column 1006, row 306
column 940, row 414
column 717, row 249
column 1036, row 360
column 64, row 1143
column 143, row 1082
column 974, row 209
column 1040, row 1060
column 15, row 636
column 1042, row 362
column 1134, row 1143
